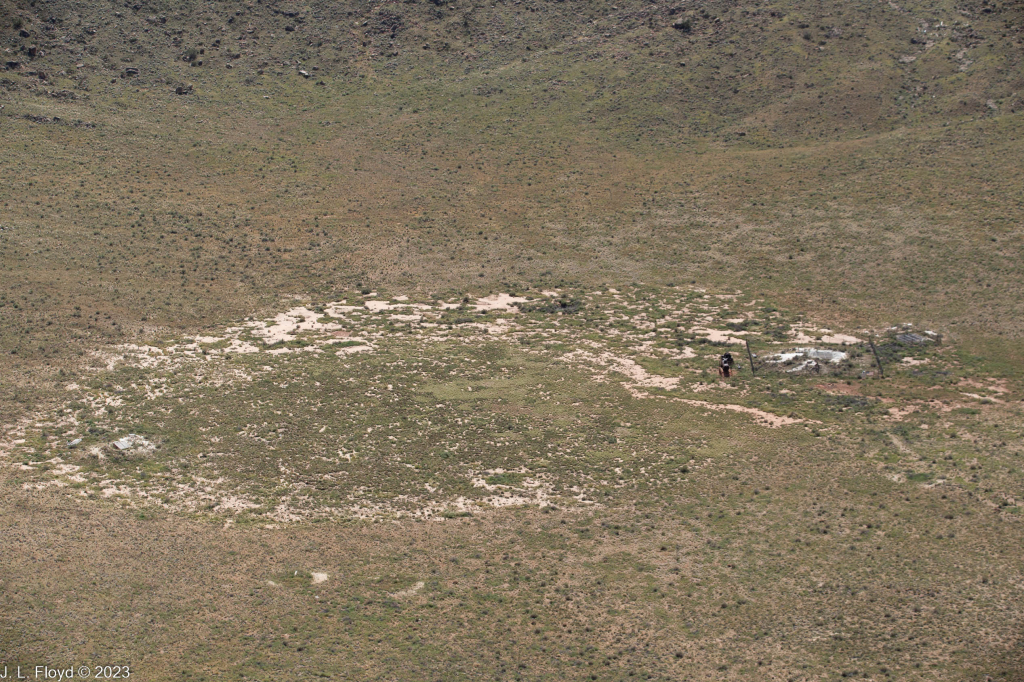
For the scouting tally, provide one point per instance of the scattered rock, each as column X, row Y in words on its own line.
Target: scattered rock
column 912, row 338
column 808, row 358
column 386, row 22
column 183, row 90
column 132, row 443
column 24, row 34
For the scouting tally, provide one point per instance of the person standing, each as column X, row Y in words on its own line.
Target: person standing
column 725, row 365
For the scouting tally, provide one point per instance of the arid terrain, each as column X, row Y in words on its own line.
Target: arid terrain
column 379, row 341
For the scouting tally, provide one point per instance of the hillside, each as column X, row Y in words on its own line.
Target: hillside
column 527, row 226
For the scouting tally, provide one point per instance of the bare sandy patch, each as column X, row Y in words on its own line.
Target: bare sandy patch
column 641, row 378
column 767, row 418
column 409, row 592
column 994, row 385
column 803, row 335
column 840, row 339
column 379, row 306
column 718, row 335
column 350, row 350
column 286, row 325
column 499, row 302
column 637, row 375
column 684, row 353
column 983, row 398
column 899, row 413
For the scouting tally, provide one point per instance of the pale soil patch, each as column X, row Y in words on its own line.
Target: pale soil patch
column 116, row 490
column 900, row 445
column 638, row 376
column 684, row 353
column 529, row 491
column 318, row 578
column 286, row 325
column 509, row 499
column 613, row 355
column 499, row 302
column 983, row 398
column 43, row 485
column 840, row 339
column 719, row 335
column 911, row 362
column 70, row 472
column 826, row 336
column 378, row 306
column 236, row 504
column 899, row 413
column 766, row 418
column 239, row 346
column 409, row 592
column 284, row 513
column 994, row 385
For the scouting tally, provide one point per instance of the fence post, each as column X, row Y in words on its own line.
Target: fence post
column 881, row 371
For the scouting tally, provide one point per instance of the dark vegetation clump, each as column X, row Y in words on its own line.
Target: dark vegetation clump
column 553, row 306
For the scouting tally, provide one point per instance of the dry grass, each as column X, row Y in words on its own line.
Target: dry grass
column 831, row 165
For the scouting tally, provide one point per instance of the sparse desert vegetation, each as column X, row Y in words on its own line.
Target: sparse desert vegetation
column 378, row 341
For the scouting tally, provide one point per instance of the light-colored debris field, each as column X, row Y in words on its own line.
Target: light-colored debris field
column 382, row 407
